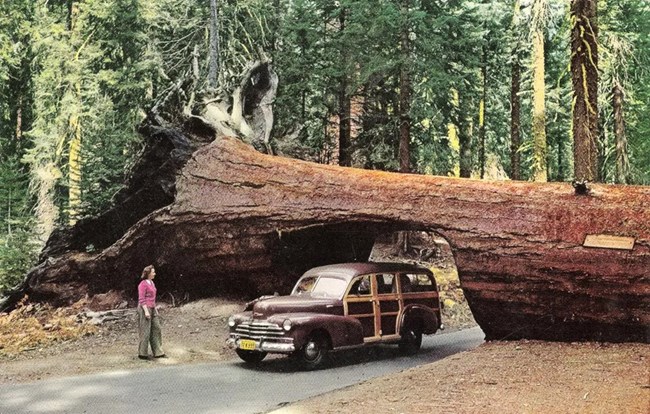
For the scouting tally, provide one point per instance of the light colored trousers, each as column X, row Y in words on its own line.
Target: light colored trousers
column 150, row 333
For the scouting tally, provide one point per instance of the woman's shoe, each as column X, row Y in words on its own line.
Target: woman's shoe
column 143, row 356
column 161, row 356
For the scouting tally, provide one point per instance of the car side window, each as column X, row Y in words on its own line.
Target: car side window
column 361, row 286
column 420, row 282
column 407, row 283
column 385, row 282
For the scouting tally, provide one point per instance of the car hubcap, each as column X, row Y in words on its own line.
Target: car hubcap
column 312, row 350
column 411, row 336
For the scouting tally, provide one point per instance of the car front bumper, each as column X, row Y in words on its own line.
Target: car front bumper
column 266, row 336
column 273, row 345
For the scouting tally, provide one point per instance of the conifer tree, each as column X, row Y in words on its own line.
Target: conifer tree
column 539, row 17
column 584, row 73
column 515, row 100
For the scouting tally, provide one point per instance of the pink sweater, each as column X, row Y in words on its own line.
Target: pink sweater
column 147, row 294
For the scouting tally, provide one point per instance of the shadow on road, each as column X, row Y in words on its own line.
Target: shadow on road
column 434, row 348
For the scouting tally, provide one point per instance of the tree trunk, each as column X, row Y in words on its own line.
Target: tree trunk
column 213, row 71
column 584, row 75
column 405, row 95
column 242, row 221
column 275, row 29
column 515, row 101
column 465, row 134
column 622, row 160
column 345, row 122
column 481, row 114
column 560, row 161
column 69, row 17
column 74, row 168
column 603, row 148
column 539, row 168
column 19, row 121
column 452, row 131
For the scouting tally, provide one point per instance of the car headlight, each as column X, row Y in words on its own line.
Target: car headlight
column 286, row 325
column 231, row 321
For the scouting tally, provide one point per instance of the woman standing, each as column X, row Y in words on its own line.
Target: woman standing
column 148, row 319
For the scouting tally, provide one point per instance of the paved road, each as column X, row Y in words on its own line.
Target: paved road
column 220, row 388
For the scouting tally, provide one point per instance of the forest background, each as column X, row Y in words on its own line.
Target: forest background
column 483, row 89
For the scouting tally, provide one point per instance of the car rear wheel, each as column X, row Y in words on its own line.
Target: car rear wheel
column 411, row 340
column 314, row 353
column 251, row 357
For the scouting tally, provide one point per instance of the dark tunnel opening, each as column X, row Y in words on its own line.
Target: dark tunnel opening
column 298, row 251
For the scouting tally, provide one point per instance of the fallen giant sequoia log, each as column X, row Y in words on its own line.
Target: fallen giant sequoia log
column 243, row 220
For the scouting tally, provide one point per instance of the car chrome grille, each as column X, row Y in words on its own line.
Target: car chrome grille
column 259, row 329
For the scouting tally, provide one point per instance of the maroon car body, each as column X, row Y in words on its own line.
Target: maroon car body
column 337, row 307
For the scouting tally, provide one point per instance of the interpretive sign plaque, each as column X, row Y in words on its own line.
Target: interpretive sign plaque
column 606, row 241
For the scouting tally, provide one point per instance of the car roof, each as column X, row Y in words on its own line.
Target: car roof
column 350, row 270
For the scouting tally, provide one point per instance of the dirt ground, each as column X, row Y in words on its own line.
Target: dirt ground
column 194, row 332
column 506, row 377
column 498, row 377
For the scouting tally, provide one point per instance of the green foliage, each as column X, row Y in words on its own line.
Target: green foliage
column 18, row 253
column 15, row 74
column 17, row 248
column 92, row 67
column 635, row 23
column 102, row 64
column 302, row 102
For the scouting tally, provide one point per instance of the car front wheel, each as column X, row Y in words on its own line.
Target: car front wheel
column 314, row 353
column 252, row 357
column 411, row 341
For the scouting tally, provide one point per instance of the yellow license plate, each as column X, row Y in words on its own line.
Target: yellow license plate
column 247, row 344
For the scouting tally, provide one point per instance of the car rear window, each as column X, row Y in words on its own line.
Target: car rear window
column 417, row 282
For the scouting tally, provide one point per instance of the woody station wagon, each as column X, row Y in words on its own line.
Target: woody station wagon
column 338, row 307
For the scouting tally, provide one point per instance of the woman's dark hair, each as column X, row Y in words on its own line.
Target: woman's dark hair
column 146, row 272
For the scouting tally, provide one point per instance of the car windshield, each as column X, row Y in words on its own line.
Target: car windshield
column 321, row 286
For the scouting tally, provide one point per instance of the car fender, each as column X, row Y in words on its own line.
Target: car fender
column 342, row 331
column 427, row 317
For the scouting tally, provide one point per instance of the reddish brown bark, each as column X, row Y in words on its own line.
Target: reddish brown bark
column 242, row 219
column 584, row 76
column 515, row 101
column 465, row 137
column 481, row 116
column 515, row 122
